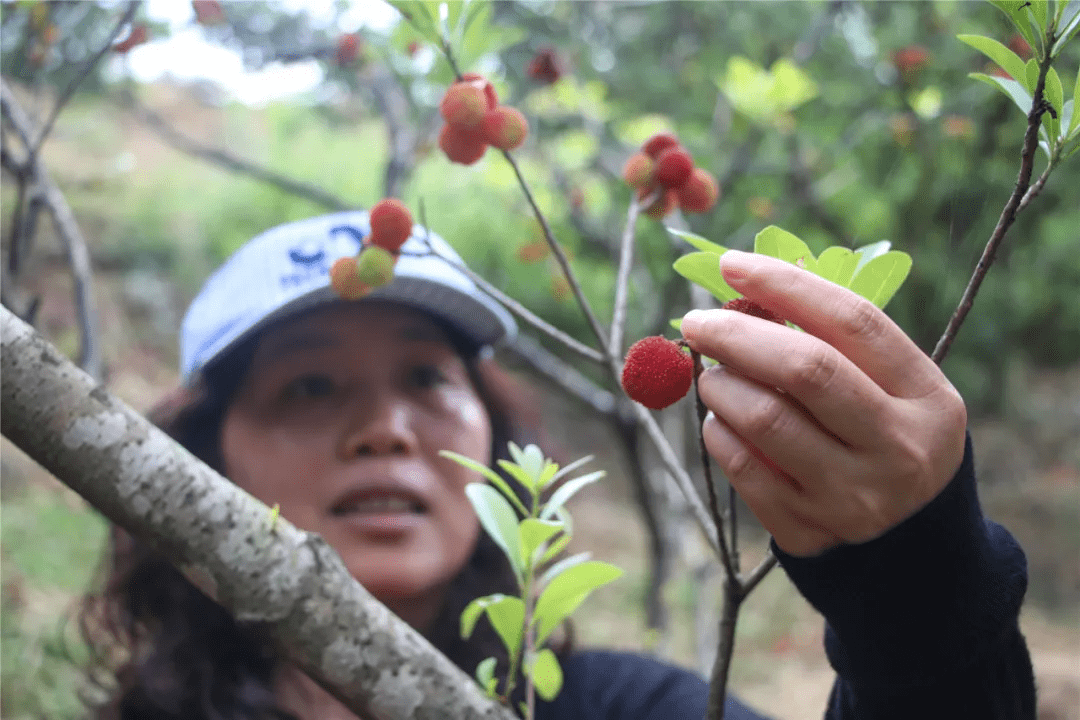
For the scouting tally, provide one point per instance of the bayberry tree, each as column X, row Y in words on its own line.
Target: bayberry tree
column 764, row 160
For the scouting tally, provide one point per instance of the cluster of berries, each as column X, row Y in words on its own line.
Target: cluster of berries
column 664, row 168
column 391, row 225
column 658, row 373
column 475, row 119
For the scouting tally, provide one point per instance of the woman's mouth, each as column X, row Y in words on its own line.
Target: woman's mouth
column 380, row 513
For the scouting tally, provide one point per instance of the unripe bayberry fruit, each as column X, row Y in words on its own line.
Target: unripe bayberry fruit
column 504, row 127
column 375, row 267
column 673, row 168
column 462, row 145
column 700, row 192
column 478, row 80
column 658, row 143
column 637, row 172
column 657, row 372
column 345, row 280
column 391, row 224
column 463, row 104
column 750, row 307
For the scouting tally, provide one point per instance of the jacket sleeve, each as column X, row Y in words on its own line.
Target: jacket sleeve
column 922, row 622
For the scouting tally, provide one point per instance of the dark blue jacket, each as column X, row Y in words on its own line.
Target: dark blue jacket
column 921, row 623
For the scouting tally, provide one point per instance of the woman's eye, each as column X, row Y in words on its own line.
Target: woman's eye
column 309, row 387
column 426, row 376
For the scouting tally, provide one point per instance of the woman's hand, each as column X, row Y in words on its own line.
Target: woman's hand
column 832, row 435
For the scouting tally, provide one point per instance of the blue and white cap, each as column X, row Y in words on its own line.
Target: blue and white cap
column 286, row 270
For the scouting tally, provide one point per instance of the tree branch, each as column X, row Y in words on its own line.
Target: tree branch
column 69, row 233
column 84, row 72
column 262, row 571
column 622, row 279
column 1008, row 213
column 231, row 162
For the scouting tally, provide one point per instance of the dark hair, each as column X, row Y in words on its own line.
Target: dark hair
column 169, row 651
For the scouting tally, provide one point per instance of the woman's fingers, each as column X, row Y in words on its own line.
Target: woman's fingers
column 771, row 496
column 772, row 424
column 837, row 394
column 862, row 332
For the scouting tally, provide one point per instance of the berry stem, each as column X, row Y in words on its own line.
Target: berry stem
column 622, row 279
column 730, row 567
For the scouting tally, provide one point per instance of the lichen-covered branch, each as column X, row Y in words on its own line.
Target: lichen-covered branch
column 264, row 572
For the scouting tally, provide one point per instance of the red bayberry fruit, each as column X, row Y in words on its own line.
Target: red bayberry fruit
column 464, row 145
column 534, row 251
column 911, row 60
column 750, row 307
column 345, row 279
column 138, row 35
column 391, row 224
column 1020, row 46
column 665, row 202
column 637, row 172
column 208, row 12
column 348, row 49
column 659, row 143
column 463, row 104
column 700, row 192
column 504, row 127
column 485, row 85
column 673, row 168
column 412, row 48
column 545, row 66
column 657, row 372
column 375, row 267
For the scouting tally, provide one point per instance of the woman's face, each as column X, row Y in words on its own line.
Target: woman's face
column 340, row 421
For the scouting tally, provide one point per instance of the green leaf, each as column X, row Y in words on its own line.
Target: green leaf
column 546, row 674
column 485, row 675
column 880, row 278
column 697, row 241
column 567, row 491
column 493, row 477
column 1038, row 11
column 555, row 548
column 779, row 243
column 567, row 469
column 507, row 616
column 500, row 522
column 791, row 86
column 866, row 253
column 564, row 564
column 703, row 268
column 548, row 475
column 1012, row 89
column 1070, row 23
column 567, row 591
column 1017, row 12
column 534, row 533
column 1009, row 61
column 1075, row 120
column 518, row 473
column 1067, row 119
column 1031, row 76
column 837, row 264
column 1055, row 94
column 531, row 459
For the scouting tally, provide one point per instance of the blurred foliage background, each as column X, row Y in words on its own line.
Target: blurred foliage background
column 885, row 137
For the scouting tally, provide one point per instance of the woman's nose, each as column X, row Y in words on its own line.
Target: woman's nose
column 383, row 427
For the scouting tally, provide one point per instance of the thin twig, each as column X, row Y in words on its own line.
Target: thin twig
column 729, row 615
column 706, row 470
column 70, row 236
column 758, row 574
column 622, row 279
column 1035, row 189
column 1008, row 213
column 84, row 72
column 566, row 376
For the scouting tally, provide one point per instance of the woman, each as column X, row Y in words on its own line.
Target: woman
column 846, row 441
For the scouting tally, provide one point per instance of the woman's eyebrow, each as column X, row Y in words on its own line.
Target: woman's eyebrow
column 295, row 342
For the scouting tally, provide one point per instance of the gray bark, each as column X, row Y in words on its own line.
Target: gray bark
column 265, row 572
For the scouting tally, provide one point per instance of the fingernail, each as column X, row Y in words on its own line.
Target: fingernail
column 736, row 264
column 692, row 322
